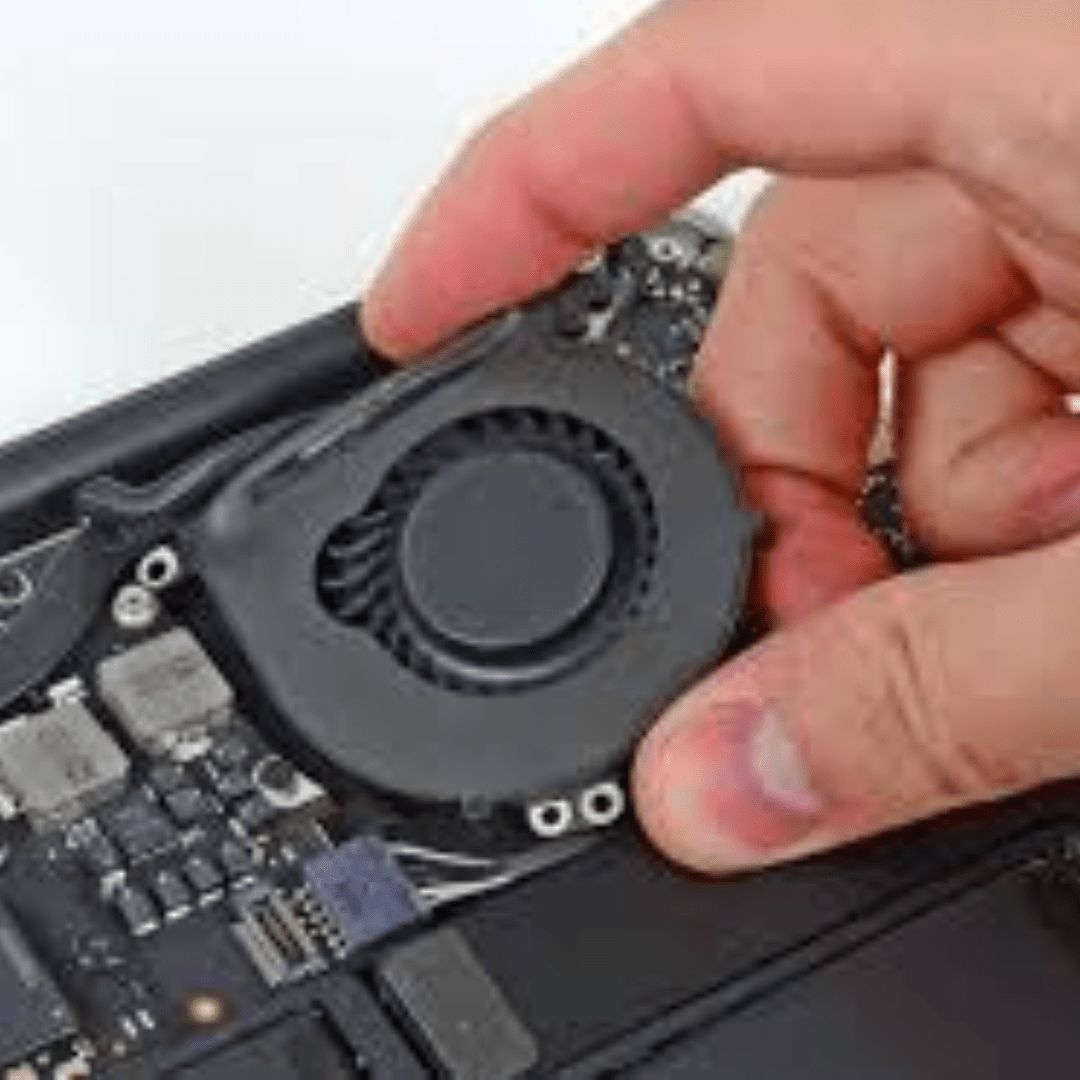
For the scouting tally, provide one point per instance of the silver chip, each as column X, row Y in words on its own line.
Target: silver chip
column 165, row 690
column 59, row 764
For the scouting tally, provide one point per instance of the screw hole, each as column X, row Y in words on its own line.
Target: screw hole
column 551, row 819
column 158, row 569
column 603, row 804
column 15, row 588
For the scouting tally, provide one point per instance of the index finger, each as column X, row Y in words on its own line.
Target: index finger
column 694, row 89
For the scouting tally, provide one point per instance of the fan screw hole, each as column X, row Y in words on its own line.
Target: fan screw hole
column 551, row 818
column 158, row 569
column 602, row 804
column 15, row 588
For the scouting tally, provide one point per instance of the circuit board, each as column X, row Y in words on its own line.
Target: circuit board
column 164, row 900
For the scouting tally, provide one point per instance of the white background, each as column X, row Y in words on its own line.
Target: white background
column 179, row 178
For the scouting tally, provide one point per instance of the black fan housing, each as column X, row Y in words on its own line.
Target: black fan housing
column 480, row 579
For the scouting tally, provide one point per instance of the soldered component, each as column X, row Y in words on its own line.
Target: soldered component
column 165, row 690
column 231, row 750
column 274, row 938
column 231, row 784
column 167, row 776
column 137, row 910
column 140, row 828
column 173, row 894
column 59, row 764
column 256, row 812
column 283, row 786
column 237, row 859
column 76, row 1068
column 67, row 691
column 35, row 1013
column 205, row 878
column 98, row 953
column 188, row 805
column 96, row 851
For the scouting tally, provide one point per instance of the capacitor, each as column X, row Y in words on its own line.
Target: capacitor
column 137, row 910
column 205, row 878
column 237, row 860
column 173, row 893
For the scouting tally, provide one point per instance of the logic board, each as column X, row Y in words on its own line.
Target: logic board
column 155, row 890
column 166, row 870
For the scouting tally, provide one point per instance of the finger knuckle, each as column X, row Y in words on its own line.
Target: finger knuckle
column 918, row 721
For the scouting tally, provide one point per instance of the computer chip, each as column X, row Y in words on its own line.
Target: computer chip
column 165, row 689
column 140, row 828
column 60, row 763
column 35, row 1014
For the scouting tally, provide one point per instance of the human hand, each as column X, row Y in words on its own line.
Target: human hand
column 931, row 205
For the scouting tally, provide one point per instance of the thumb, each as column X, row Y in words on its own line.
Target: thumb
column 955, row 685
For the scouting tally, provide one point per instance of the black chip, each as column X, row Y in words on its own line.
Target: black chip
column 141, row 829
column 34, row 1013
column 204, row 876
column 98, row 853
column 168, row 777
column 256, row 812
column 232, row 783
column 137, row 910
column 237, row 859
column 188, row 804
column 232, row 750
column 173, row 892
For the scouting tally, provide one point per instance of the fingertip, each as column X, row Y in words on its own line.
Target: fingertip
column 668, row 824
column 401, row 314
column 382, row 328
column 719, row 786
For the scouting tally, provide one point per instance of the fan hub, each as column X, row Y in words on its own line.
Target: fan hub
column 503, row 552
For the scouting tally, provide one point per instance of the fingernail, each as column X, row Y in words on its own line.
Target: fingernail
column 733, row 786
